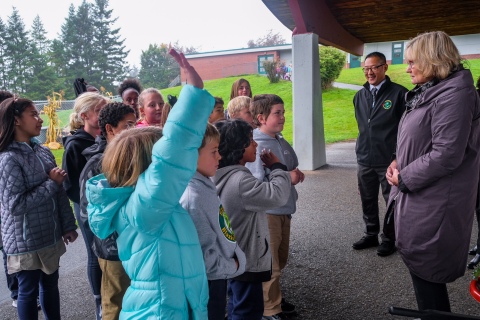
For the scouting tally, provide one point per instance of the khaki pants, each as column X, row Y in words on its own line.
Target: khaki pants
column 279, row 227
column 114, row 284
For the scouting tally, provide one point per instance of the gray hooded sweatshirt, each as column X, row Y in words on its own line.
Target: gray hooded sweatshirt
column 285, row 153
column 245, row 199
column 214, row 230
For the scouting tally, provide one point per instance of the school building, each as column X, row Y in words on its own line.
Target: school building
column 227, row 63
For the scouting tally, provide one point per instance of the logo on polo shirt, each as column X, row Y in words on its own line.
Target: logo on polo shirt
column 225, row 225
column 387, row 104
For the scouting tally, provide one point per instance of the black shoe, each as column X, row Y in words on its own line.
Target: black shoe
column 473, row 263
column 366, row 242
column 473, row 251
column 287, row 307
column 386, row 248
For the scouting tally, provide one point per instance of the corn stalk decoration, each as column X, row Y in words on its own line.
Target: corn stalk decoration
column 53, row 130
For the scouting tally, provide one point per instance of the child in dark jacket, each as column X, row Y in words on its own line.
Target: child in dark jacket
column 222, row 256
column 114, row 118
column 84, row 127
column 245, row 200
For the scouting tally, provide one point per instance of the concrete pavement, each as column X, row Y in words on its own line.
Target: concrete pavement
column 325, row 277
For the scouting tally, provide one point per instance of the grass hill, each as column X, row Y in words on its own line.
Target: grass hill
column 338, row 112
column 337, row 104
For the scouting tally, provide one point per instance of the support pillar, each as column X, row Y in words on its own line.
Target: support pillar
column 308, row 127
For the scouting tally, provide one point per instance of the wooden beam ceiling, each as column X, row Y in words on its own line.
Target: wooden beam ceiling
column 376, row 21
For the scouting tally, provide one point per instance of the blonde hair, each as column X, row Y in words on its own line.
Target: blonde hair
column 237, row 104
column 85, row 102
column 141, row 97
column 434, row 54
column 129, row 154
column 211, row 134
column 165, row 111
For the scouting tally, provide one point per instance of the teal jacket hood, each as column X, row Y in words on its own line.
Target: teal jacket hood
column 105, row 202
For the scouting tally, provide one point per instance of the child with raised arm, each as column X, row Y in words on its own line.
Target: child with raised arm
column 138, row 197
column 223, row 257
column 245, row 200
column 269, row 116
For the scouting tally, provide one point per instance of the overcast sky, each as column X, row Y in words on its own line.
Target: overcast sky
column 208, row 25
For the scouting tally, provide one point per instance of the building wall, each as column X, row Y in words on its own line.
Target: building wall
column 468, row 45
column 221, row 66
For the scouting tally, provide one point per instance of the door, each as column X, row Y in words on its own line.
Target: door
column 397, row 52
column 260, row 60
column 355, row 61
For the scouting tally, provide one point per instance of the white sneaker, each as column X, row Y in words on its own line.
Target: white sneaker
column 14, row 303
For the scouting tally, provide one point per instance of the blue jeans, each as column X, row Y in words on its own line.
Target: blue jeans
column 94, row 272
column 245, row 300
column 28, row 284
column 12, row 282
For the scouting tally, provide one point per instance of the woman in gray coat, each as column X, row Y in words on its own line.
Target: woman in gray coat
column 435, row 175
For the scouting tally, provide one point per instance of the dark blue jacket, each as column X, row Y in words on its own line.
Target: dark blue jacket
column 35, row 210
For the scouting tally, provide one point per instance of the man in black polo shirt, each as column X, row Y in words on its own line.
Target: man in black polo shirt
column 378, row 109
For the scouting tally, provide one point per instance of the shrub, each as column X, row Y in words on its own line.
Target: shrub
column 332, row 61
column 274, row 70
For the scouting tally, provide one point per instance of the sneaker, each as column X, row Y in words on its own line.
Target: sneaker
column 366, row 242
column 274, row 317
column 386, row 248
column 14, row 303
column 287, row 307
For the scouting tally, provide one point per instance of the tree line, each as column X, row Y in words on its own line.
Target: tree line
column 88, row 46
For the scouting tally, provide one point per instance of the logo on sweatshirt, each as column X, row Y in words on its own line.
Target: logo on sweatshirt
column 225, row 224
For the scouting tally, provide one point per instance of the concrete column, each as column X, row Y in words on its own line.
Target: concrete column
column 308, row 133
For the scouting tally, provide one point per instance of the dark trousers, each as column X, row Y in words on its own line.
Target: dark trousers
column 12, row 282
column 28, row 284
column 430, row 295
column 94, row 272
column 245, row 300
column 370, row 179
column 217, row 302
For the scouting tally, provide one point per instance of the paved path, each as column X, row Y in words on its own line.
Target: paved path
column 325, row 277
column 347, row 86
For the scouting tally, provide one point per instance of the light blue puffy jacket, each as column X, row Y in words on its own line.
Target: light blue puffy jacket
column 158, row 243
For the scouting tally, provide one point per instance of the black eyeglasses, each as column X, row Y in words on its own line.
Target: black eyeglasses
column 372, row 68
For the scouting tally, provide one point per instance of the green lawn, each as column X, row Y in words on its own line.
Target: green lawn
column 63, row 118
column 338, row 113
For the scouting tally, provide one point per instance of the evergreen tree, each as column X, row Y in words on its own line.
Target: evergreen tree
column 57, row 60
column 43, row 79
column 110, row 53
column 38, row 36
column 76, row 38
column 17, row 54
column 3, row 47
column 157, row 68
